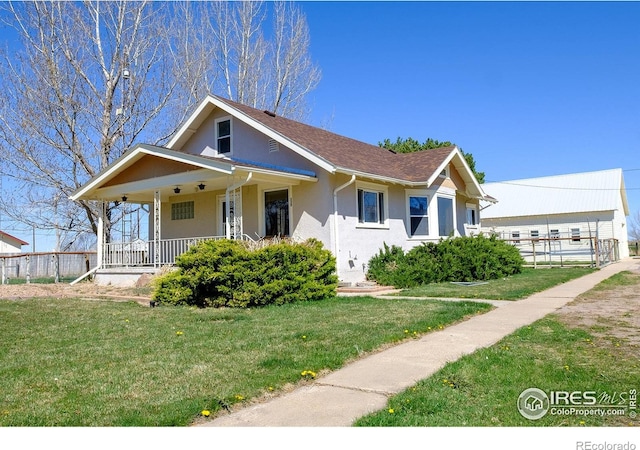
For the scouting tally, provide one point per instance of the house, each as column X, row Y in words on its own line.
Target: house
column 10, row 244
column 573, row 217
column 232, row 171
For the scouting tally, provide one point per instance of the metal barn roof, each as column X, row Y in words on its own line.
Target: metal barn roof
column 560, row 194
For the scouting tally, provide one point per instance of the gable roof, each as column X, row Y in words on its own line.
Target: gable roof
column 560, row 194
column 8, row 236
column 336, row 153
column 197, row 162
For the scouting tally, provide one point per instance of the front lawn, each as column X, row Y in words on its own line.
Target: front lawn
column 67, row 362
column 514, row 287
column 591, row 345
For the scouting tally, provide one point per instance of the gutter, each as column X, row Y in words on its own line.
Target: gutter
column 335, row 219
column 233, row 187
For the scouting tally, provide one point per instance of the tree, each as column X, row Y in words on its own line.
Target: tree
column 634, row 227
column 410, row 145
column 90, row 79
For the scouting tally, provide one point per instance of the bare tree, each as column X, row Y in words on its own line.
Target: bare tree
column 267, row 72
column 295, row 75
column 634, row 227
column 90, row 79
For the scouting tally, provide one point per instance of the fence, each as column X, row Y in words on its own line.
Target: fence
column 565, row 249
column 56, row 265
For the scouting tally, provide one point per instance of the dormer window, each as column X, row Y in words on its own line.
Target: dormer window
column 223, row 135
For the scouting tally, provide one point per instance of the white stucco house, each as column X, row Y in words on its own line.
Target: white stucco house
column 569, row 216
column 10, row 244
column 232, row 171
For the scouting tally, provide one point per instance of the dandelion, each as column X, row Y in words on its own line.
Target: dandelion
column 205, row 413
column 308, row 374
column 391, row 410
column 179, row 333
column 239, row 397
column 304, row 337
column 566, row 367
column 406, row 331
column 428, row 328
column 126, row 320
column 582, row 422
column 270, row 389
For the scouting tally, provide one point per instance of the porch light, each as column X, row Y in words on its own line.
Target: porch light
column 201, row 186
column 177, row 190
column 124, row 198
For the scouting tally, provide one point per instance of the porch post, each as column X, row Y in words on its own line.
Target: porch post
column 157, row 207
column 101, row 240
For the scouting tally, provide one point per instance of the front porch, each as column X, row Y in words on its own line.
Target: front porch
column 186, row 199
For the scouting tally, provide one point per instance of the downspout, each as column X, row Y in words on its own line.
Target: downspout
column 233, row 187
column 335, row 220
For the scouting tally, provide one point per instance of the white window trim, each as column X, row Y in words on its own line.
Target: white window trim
column 475, row 208
column 418, row 193
column 261, row 222
column 373, row 187
column 450, row 194
column 217, row 121
column 579, row 241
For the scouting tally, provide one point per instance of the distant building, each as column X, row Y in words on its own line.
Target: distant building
column 564, row 214
column 10, row 244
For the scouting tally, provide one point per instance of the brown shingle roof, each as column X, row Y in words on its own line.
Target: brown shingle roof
column 350, row 154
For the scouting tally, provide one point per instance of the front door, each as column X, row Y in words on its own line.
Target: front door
column 276, row 213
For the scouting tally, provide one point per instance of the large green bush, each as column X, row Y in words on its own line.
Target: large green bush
column 230, row 273
column 466, row 258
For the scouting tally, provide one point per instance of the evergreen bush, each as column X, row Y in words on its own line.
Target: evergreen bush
column 229, row 273
column 465, row 258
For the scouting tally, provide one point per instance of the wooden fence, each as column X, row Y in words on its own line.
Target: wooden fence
column 56, row 265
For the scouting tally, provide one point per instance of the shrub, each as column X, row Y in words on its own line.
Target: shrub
column 229, row 273
column 465, row 258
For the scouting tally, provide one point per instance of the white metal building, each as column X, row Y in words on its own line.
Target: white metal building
column 565, row 216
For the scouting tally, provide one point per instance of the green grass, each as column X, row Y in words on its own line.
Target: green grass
column 45, row 280
column 514, row 287
column 66, row 362
column 482, row 389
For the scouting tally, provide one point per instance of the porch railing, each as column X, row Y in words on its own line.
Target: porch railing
column 141, row 253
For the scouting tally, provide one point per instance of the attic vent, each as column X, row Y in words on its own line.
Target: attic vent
column 269, row 113
column 273, row 146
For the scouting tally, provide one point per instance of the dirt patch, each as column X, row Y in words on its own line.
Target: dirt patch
column 80, row 290
column 610, row 314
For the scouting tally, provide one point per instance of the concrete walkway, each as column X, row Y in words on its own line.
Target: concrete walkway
column 364, row 386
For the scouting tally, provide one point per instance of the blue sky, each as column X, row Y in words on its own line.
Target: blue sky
column 529, row 88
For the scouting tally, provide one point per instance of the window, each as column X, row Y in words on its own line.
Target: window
column 534, row 235
column 370, row 206
column 223, row 129
column 418, row 216
column 182, row 211
column 276, row 213
column 444, row 173
column 445, row 216
column 575, row 235
column 472, row 218
column 515, row 235
column 555, row 234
